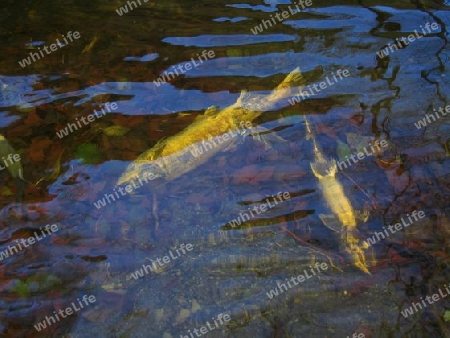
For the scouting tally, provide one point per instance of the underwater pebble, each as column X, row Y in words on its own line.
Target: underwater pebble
column 159, row 314
column 211, row 239
column 195, row 306
column 184, row 313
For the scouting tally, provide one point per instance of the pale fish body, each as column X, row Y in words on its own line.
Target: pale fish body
column 176, row 155
column 334, row 195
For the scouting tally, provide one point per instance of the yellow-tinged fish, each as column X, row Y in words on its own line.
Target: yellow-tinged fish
column 208, row 134
column 333, row 192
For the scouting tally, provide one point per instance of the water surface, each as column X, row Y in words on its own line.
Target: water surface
column 118, row 59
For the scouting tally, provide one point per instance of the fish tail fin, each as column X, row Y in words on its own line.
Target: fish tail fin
column 285, row 88
column 362, row 267
column 295, row 77
column 323, row 169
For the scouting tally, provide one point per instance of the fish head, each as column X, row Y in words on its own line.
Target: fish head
column 323, row 169
column 141, row 171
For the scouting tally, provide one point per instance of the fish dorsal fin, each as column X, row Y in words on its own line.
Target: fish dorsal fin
column 155, row 152
column 211, row 111
column 362, row 215
column 243, row 98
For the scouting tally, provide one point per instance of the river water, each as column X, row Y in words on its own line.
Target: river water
column 222, row 240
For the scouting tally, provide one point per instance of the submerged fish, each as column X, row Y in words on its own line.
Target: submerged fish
column 344, row 218
column 210, row 133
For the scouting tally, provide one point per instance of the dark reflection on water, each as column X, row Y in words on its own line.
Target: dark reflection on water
column 230, row 270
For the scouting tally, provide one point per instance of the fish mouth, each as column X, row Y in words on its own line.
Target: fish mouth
column 140, row 172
